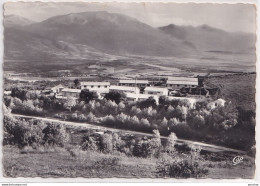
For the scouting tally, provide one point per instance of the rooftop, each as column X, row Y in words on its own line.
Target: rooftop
column 95, row 83
column 114, row 87
column 57, row 86
column 133, row 81
column 191, row 79
column 158, row 89
column 179, row 82
column 71, row 90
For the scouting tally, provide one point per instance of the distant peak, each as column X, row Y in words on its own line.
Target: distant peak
column 205, row 26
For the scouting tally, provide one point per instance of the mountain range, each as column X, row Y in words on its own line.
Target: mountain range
column 90, row 34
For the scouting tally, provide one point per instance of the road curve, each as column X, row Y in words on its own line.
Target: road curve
column 205, row 146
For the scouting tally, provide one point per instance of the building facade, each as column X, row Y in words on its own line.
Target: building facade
column 124, row 89
column 156, row 91
column 67, row 92
column 99, row 87
column 180, row 82
column 133, row 83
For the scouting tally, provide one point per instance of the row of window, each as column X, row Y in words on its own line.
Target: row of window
column 172, row 85
column 92, row 86
column 131, row 84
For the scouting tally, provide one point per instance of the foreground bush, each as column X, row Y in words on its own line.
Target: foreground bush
column 181, row 169
column 55, row 135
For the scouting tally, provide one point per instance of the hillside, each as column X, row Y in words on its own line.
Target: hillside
column 104, row 36
column 206, row 38
column 16, row 21
column 104, row 32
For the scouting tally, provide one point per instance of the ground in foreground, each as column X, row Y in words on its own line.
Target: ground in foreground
column 59, row 162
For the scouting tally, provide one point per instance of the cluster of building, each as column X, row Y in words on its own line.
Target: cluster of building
column 133, row 89
column 129, row 87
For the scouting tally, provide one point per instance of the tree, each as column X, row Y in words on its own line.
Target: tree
column 118, row 143
column 106, row 143
column 115, row 96
column 155, row 143
column 55, row 135
column 150, row 102
column 76, row 83
column 89, row 143
column 145, row 122
column 19, row 93
column 121, row 106
column 70, row 102
column 171, row 140
column 87, row 96
column 224, row 117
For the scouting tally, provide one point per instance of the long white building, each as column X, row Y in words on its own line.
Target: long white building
column 133, row 83
column 99, row 87
column 124, row 89
column 156, row 91
column 180, row 82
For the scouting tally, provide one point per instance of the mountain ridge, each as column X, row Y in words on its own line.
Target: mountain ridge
column 118, row 34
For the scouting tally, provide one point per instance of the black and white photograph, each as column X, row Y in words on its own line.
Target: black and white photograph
column 129, row 90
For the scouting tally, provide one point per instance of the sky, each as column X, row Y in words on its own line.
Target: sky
column 229, row 17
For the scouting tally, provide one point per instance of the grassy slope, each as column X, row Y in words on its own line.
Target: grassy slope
column 59, row 163
column 239, row 89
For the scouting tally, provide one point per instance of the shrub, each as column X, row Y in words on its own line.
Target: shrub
column 19, row 93
column 87, row 96
column 118, row 143
column 115, row 96
column 26, row 107
column 142, row 149
column 181, row 169
column 148, row 148
column 90, row 143
column 171, row 140
column 55, row 135
column 150, row 102
column 21, row 132
column 223, row 118
column 184, row 148
column 106, row 144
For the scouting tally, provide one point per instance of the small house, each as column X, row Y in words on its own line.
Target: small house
column 67, row 92
column 57, row 89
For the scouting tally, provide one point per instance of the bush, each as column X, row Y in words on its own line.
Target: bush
column 115, row 96
column 87, row 96
column 19, row 93
column 26, row 107
column 148, row 148
column 21, row 132
column 106, row 144
column 90, row 143
column 55, row 135
column 171, row 140
column 181, row 169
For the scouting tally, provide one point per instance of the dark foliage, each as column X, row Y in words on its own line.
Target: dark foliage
column 115, row 96
column 181, row 169
column 19, row 93
column 87, row 96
